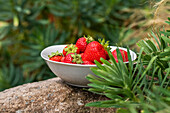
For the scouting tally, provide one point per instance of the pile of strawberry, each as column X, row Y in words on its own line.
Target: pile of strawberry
column 85, row 51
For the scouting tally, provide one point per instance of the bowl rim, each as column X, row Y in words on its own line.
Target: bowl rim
column 79, row 65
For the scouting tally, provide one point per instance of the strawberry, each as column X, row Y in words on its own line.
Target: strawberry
column 62, row 59
column 55, row 56
column 81, row 54
column 70, row 49
column 123, row 53
column 82, row 43
column 68, row 58
column 88, row 63
column 94, row 51
column 106, row 46
column 73, row 58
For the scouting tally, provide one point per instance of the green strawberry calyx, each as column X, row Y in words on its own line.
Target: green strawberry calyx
column 77, row 58
column 71, row 49
column 55, row 54
column 89, row 39
column 104, row 43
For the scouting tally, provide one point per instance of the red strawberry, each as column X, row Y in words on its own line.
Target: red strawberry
column 88, row 63
column 68, row 58
column 123, row 53
column 105, row 46
column 82, row 42
column 62, row 59
column 94, row 51
column 70, row 49
column 73, row 58
column 55, row 56
column 81, row 54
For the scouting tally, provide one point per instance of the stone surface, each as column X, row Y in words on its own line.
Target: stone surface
column 50, row 96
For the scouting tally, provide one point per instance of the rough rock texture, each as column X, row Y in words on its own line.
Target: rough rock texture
column 50, row 96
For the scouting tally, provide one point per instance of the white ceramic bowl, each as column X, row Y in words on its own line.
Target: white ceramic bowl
column 73, row 74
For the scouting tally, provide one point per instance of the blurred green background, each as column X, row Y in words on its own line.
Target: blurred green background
column 28, row 26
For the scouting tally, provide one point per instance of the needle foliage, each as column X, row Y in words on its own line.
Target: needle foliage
column 139, row 86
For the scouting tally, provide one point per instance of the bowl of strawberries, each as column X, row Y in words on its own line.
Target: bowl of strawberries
column 72, row 62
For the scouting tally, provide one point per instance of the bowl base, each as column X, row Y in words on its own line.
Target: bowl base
column 76, row 85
